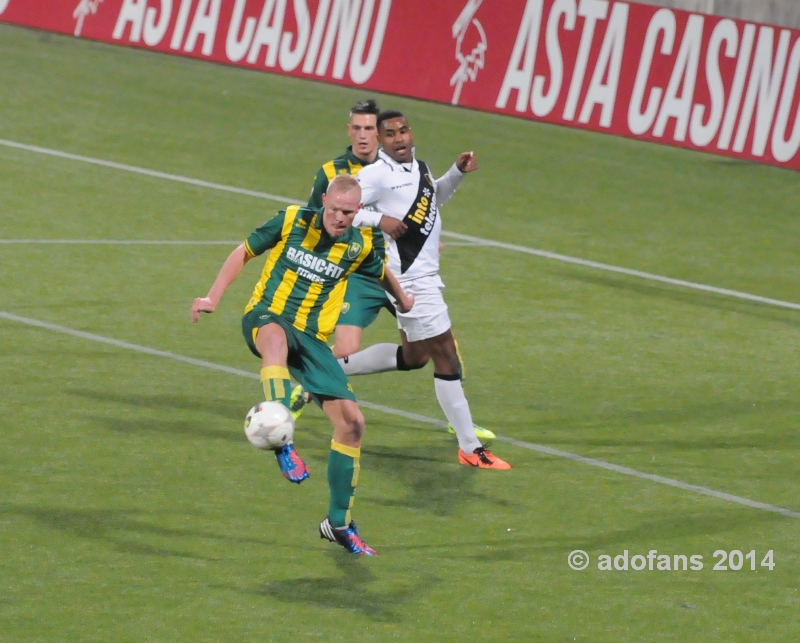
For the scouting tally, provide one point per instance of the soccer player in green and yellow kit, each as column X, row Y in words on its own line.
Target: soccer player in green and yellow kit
column 363, row 298
column 288, row 319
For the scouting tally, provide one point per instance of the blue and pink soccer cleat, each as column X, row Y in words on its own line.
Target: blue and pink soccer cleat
column 292, row 466
column 348, row 537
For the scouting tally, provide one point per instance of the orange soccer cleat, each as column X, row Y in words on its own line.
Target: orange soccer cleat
column 482, row 459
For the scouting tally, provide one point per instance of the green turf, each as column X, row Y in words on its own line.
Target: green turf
column 134, row 510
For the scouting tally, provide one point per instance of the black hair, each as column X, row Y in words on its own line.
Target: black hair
column 388, row 115
column 368, row 106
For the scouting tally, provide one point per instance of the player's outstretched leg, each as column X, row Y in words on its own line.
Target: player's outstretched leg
column 378, row 358
column 271, row 343
column 276, row 384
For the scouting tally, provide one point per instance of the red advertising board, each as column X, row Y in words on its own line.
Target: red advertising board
column 691, row 80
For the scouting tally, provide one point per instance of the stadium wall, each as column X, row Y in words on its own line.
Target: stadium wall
column 785, row 13
column 692, row 80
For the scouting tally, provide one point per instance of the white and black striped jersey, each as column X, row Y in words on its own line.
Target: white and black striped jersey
column 407, row 191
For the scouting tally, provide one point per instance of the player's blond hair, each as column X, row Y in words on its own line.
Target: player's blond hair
column 343, row 183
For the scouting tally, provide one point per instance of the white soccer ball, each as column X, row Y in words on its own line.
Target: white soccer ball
column 269, row 425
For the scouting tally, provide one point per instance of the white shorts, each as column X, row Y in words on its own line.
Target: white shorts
column 428, row 318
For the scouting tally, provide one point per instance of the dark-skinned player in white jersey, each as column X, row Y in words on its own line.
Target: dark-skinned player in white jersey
column 363, row 298
column 400, row 186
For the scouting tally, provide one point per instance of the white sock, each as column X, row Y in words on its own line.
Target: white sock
column 378, row 358
column 456, row 409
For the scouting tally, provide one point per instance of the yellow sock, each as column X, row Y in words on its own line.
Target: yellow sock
column 276, row 384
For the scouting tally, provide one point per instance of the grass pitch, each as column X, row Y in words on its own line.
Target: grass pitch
column 134, row 510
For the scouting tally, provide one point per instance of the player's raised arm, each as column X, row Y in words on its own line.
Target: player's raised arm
column 264, row 238
column 447, row 184
column 230, row 270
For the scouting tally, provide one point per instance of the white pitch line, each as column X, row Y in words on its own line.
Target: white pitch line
column 121, row 344
column 146, row 172
column 652, row 477
column 625, row 271
column 454, row 235
column 720, row 495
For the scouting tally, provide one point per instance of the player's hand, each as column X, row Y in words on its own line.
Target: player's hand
column 202, row 305
column 466, row 162
column 406, row 304
column 395, row 228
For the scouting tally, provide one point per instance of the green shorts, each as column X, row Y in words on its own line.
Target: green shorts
column 363, row 300
column 310, row 360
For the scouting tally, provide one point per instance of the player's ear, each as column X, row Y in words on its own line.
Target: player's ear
column 324, row 197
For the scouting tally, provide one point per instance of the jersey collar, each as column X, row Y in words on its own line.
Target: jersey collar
column 406, row 167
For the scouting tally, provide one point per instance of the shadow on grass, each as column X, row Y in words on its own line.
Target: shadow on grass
column 231, row 410
column 115, row 527
column 314, row 431
column 350, row 590
column 433, row 480
column 431, row 477
column 174, row 427
column 119, row 528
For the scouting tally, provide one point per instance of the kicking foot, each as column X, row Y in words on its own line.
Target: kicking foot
column 292, row 466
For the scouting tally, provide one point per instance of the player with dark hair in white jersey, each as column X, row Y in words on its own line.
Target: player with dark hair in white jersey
column 399, row 186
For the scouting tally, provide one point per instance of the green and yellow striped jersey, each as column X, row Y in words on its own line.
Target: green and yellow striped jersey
column 347, row 163
column 305, row 274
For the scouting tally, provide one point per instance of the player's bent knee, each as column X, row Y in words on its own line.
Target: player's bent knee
column 348, row 341
column 355, row 422
column 271, row 341
column 410, row 363
column 345, row 348
column 348, row 421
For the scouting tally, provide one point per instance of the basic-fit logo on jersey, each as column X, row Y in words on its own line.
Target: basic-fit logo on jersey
column 317, row 264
